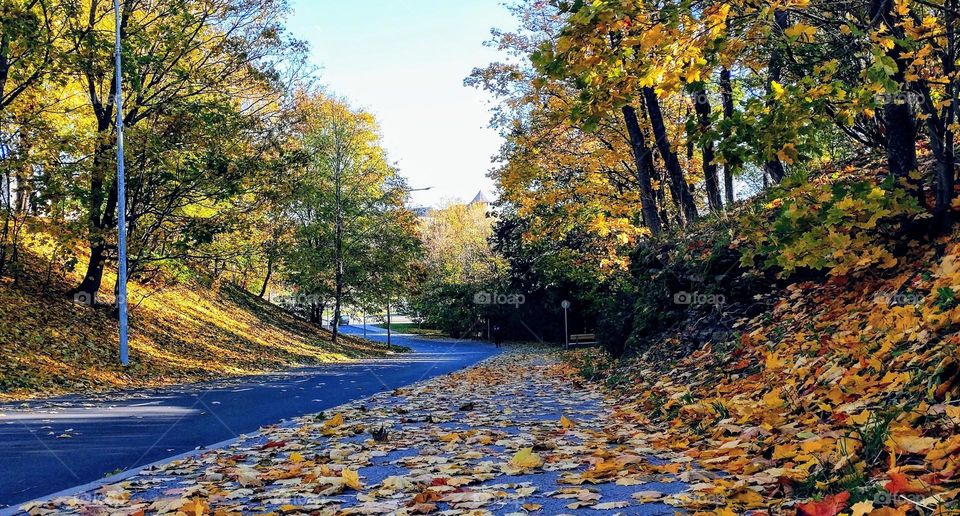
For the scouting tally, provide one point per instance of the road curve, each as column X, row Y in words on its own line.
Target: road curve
column 50, row 445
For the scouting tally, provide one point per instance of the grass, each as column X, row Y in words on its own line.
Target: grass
column 413, row 328
column 179, row 332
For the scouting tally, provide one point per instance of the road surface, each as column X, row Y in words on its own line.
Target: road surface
column 51, row 445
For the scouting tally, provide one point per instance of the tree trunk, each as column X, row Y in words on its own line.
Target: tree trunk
column 23, row 177
column 702, row 106
column 678, row 185
column 7, row 215
column 266, row 279
column 945, row 183
column 726, row 93
column 86, row 292
column 773, row 167
column 900, row 131
column 338, row 250
column 946, row 175
column 644, row 163
column 945, row 178
column 101, row 214
column 101, row 218
column 899, row 120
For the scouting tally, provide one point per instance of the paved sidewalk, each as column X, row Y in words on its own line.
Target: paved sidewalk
column 517, row 433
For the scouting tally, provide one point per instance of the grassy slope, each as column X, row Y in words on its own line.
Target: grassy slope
column 179, row 333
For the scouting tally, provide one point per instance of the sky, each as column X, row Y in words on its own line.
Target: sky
column 405, row 61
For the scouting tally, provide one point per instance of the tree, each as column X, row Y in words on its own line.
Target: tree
column 337, row 200
column 175, row 52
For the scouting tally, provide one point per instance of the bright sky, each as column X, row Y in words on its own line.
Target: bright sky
column 405, row 62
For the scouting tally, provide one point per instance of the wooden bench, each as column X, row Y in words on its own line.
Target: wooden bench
column 583, row 339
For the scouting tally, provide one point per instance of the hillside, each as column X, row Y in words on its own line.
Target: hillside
column 814, row 388
column 181, row 330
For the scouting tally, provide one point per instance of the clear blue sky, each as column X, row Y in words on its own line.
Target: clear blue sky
column 405, row 61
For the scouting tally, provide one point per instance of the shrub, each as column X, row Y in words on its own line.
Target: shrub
column 839, row 224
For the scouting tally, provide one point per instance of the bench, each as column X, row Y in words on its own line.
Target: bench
column 583, row 339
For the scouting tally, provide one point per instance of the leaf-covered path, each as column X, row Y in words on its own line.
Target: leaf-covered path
column 517, row 433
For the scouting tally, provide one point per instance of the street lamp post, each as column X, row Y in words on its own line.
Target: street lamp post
column 121, row 198
column 566, row 333
column 388, row 321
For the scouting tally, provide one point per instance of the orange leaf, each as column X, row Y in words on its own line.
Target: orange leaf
column 829, row 506
column 900, row 484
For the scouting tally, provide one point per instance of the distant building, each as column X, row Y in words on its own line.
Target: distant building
column 480, row 198
column 425, row 213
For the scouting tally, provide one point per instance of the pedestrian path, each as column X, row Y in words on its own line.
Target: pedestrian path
column 515, row 434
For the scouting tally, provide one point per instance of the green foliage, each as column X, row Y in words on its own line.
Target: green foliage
column 450, row 307
column 837, row 224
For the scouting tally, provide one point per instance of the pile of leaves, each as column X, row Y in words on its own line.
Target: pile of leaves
column 843, row 398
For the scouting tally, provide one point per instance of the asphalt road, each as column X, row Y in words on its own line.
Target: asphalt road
column 51, row 445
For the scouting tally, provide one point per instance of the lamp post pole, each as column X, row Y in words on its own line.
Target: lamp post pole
column 566, row 333
column 121, row 198
column 388, row 321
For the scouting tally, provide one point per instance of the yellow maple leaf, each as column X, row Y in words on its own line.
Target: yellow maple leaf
column 777, row 89
column 801, row 32
column 861, row 508
column 296, row 457
column 196, row 507
column 566, row 423
column 334, row 422
column 748, row 497
column 861, row 418
column 351, row 479
column 772, row 399
column 525, row 458
column 953, row 412
column 450, row 438
column 774, row 362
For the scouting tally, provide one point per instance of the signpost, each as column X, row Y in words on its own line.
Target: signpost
column 566, row 333
column 121, row 198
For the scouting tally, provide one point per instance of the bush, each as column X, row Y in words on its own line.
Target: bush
column 838, row 224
